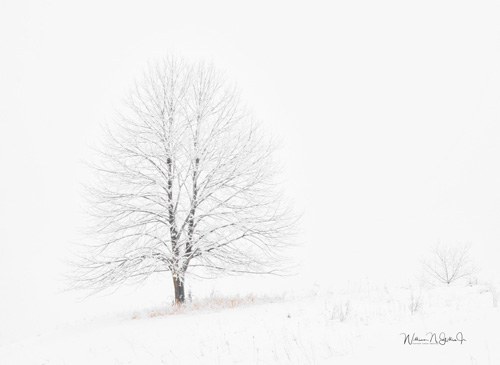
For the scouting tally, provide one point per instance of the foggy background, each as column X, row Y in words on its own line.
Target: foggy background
column 388, row 112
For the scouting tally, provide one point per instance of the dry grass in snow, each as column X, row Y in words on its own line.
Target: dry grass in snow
column 211, row 303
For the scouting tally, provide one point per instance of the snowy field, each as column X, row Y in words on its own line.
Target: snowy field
column 387, row 114
column 358, row 324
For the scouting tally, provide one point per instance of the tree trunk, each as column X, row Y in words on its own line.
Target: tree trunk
column 179, row 290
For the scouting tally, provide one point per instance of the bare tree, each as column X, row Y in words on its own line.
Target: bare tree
column 186, row 184
column 447, row 264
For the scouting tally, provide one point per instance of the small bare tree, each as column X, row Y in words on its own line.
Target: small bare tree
column 447, row 264
column 185, row 181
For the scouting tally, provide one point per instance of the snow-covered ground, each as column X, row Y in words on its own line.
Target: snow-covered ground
column 358, row 324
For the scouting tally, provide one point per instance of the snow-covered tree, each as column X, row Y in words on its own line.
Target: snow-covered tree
column 447, row 264
column 185, row 184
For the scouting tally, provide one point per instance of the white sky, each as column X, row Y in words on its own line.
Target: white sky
column 389, row 112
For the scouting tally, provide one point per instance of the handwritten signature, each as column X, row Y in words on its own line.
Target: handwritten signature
column 432, row 338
